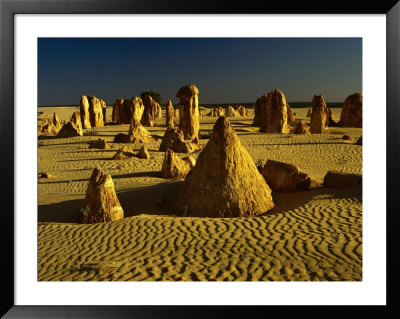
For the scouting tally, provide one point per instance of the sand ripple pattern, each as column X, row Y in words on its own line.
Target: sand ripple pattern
column 321, row 240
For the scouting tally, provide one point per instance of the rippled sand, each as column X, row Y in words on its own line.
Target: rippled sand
column 310, row 235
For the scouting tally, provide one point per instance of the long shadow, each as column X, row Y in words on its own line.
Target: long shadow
column 152, row 200
column 138, row 174
column 292, row 200
column 292, row 144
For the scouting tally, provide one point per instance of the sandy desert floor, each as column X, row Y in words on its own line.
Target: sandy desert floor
column 310, row 235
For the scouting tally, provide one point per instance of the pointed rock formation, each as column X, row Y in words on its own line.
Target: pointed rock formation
column 290, row 114
column 319, row 115
column 143, row 153
column 123, row 153
column 225, row 181
column 351, row 115
column 99, row 143
column 95, row 112
column 230, row 112
column 189, row 112
column 73, row 127
column 56, row 120
column 276, row 113
column 173, row 139
column 309, row 112
column 101, row 202
column 84, row 112
column 341, row 180
column 175, row 167
column 158, row 113
column 283, row 177
column 301, row 128
column 169, row 112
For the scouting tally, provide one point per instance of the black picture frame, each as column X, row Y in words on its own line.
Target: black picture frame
column 8, row 9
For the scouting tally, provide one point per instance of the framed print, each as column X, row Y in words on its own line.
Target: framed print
column 164, row 154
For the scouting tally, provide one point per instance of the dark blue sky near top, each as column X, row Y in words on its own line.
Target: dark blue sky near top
column 225, row 70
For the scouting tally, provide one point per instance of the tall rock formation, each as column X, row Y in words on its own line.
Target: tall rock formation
column 225, row 181
column 169, row 112
column 189, row 112
column 275, row 120
column 319, row 115
column 95, row 112
column 84, row 112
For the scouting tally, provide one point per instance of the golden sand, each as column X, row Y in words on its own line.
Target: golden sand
column 309, row 235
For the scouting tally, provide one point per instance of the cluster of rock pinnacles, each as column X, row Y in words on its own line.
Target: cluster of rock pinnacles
column 223, row 164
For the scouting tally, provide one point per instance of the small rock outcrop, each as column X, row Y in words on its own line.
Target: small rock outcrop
column 283, row 177
column 359, row 141
column 123, row 153
column 351, row 115
column 175, row 167
column 101, row 202
column 336, row 179
column 241, row 110
column 301, row 128
column 73, row 127
column 290, row 114
column 100, row 143
column 309, row 112
column 225, row 181
column 319, row 115
column 84, row 112
column 230, row 112
column 217, row 112
column 189, row 112
column 143, row 153
column 173, row 139
column 169, row 114
column 331, row 121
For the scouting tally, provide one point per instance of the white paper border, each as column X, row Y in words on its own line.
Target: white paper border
column 372, row 290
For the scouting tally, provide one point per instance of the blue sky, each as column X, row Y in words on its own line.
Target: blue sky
column 225, row 70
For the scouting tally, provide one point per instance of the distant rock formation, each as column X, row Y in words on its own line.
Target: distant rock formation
column 275, row 120
column 260, row 112
column 335, row 179
column 95, row 112
column 158, row 113
column 173, row 139
column 143, row 153
column 47, row 126
column 118, row 115
column 309, row 112
column 230, row 112
column 290, row 114
column 104, row 110
column 84, row 112
column 225, row 181
column 319, row 115
column 175, row 167
column 241, row 110
column 301, row 128
column 101, row 202
column 331, row 121
column 150, row 110
column 137, row 133
column 351, row 115
column 283, row 177
column 56, row 120
column 169, row 114
column 100, row 143
column 217, row 112
column 189, row 112
column 73, row 127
